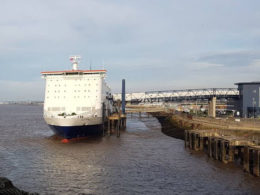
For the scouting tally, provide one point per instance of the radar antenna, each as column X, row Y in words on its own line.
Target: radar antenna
column 75, row 61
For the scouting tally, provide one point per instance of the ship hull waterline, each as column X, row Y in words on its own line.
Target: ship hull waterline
column 70, row 132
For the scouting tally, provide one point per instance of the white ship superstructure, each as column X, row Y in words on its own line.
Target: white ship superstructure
column 76, row 100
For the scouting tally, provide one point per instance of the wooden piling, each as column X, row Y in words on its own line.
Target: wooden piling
column 223, row 151
column 225, row 148
column 196, row 142
column 186, row 142
column 190, row 140
column 210, row 147
column 256, row 156
column 246, row 159
column 201, row 143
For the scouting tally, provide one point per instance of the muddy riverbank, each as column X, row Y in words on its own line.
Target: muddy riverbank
column 170, row 128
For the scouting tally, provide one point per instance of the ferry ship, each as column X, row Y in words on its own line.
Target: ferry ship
column 76, row 101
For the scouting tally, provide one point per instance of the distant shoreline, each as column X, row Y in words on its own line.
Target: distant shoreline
column 21, row 103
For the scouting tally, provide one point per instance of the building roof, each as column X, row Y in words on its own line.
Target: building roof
column 73, row 71
column 249, row 83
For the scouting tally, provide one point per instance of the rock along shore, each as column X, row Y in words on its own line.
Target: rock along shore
column 7, row 188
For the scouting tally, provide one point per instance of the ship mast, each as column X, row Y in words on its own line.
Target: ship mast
column 75, row 62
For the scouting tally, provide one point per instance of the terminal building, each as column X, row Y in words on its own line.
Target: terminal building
column 249, row 99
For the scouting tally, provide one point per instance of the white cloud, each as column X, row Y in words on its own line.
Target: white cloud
column 148, row 42
column 203, row 65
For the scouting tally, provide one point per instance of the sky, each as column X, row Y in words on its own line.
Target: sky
column 153, row 44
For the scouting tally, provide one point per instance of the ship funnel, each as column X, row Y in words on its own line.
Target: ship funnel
column 75, row 62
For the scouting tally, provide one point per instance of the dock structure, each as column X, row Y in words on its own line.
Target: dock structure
column 225, row 148
column 116, row 122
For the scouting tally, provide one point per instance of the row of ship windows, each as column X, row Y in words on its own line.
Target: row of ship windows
column 76, row 85
column 74, row 80
column 64, row 97
column 75, row 91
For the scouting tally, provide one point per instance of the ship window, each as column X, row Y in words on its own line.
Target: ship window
column 85, row 90
column 88, row 90
column 64, row 97
column 64, row 90
column 78, row 90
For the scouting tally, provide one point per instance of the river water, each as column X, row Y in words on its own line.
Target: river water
column 142, row 161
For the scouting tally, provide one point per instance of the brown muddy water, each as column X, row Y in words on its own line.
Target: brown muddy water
column 142, row 161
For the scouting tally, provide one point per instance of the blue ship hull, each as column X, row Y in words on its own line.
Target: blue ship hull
column 70, row 132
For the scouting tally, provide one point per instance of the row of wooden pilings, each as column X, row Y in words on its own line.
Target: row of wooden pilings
column 225, row 148
column 115, row 123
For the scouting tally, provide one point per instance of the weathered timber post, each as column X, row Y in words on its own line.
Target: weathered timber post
column 109, row 127
column 186, row 138
column 118, row 128
column 223, row 151
column 231, row 151
column 123, row 96
column 246, row 159
column 219, row 150
column 209, row 146
column 251, row 160
column 201, row 143
column 256, row 162
column 196, row 142
column 216, row 148
column 190, row 140
column 118, row 119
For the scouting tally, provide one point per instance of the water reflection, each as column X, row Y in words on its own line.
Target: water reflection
column 141, row 161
